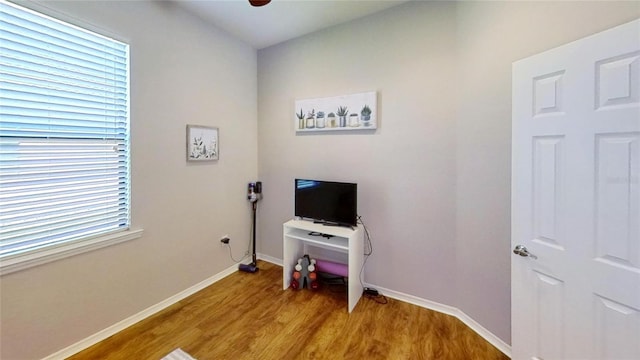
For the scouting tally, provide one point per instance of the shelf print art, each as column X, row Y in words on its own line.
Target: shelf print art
column 337, row 113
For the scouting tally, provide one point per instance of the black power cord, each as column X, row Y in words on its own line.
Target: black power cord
column 379, row 298
column 371, row 292
column 231, row 254
column 368, row 292
column 248, row 247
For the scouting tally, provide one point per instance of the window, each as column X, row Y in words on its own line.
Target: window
column 64, row 139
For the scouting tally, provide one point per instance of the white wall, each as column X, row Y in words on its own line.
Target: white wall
column 183, row 71
column 434, row 179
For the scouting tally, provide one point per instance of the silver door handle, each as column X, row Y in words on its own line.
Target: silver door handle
column 522, row 251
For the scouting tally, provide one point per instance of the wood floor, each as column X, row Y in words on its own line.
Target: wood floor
column 249, row 316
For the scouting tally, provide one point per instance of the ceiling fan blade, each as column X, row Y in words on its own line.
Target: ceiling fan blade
column 259, row 2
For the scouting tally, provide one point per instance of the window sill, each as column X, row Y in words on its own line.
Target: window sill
column 43, row 256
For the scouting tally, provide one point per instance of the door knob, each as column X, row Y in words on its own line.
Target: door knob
column 522, row 251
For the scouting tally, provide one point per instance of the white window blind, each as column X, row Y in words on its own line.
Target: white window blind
column 64, row 133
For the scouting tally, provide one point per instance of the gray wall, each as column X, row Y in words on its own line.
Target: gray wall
column 405, row 170
column 434, row 179
column 183, row 71
column 491, row 36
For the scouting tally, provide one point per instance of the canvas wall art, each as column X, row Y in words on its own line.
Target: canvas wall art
column 337, row 113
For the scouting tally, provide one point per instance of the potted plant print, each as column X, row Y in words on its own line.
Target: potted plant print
column 353, row 120
column 300, row 116
column 320, row 123
column 331, row 120
column 311, row 119
column 342, row 115
column 365, row 115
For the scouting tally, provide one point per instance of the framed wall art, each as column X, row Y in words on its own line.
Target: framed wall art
column 337, row 113
column 202, row 143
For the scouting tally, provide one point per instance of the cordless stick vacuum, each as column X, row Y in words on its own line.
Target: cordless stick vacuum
column 253, row 195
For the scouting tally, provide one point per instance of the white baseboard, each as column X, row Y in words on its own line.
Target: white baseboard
column 486, row 334
column 115, row 328
column 449, row 310
column 432, row 305
column 270, row 259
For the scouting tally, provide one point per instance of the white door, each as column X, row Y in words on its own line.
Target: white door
column 576, row 199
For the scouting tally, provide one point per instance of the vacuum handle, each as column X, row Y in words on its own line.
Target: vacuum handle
column 254, row 191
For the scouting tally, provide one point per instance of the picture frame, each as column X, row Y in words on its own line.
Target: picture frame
column 203, row 143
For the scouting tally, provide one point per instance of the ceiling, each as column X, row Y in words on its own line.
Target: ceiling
column 281, row 20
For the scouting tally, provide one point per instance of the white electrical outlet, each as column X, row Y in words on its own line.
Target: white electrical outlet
column 225, row 239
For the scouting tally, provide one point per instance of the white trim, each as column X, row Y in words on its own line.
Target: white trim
column 270, row 259
column 115, row 328
column 42, row 7
column 119, row 326
column 449, row 310
column 432, row 305
column 49, row 254
column 486, row 334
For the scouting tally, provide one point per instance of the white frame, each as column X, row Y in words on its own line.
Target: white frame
column 208, row 137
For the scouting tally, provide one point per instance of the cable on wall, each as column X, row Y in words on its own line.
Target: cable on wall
column 370, row 293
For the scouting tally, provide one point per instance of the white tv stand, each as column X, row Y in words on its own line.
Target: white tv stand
column 296, row 239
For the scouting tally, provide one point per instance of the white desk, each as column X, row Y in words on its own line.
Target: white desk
column 296, row 240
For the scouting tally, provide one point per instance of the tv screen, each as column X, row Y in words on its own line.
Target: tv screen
column 326, row 201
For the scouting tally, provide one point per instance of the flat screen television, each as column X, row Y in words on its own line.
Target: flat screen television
column 329, row 202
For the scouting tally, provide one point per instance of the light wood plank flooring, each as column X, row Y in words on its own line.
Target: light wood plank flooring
column 249, row 316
